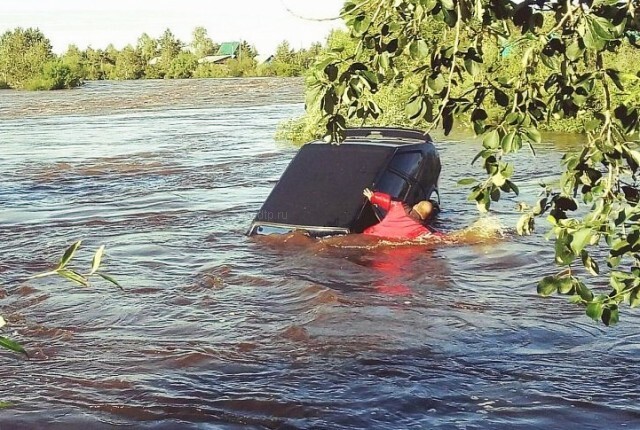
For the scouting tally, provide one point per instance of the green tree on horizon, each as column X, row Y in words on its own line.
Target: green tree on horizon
column 147, row 47
column 201, row 44
column 23, row 54
column 129, row 64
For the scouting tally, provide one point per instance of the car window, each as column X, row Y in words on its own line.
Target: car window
column 407, row 163
column 393, row 185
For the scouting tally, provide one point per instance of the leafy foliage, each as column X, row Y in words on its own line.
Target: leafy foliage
column 62, row 269
column 182, row 66
column 23, row 54
column 566, row 69
column 55, row 75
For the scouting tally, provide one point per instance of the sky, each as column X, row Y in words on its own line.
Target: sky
column 263, row 23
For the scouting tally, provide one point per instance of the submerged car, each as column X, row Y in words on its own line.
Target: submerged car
column 320, row 192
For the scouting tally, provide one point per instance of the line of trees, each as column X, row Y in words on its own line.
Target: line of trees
column 27, row 60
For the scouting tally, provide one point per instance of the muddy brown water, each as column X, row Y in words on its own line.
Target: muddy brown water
column 218, row 330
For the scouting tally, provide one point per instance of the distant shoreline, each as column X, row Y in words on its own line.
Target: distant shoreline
column 113, row 97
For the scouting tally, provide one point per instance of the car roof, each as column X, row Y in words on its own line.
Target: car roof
column 383, row 136
column 323, row 184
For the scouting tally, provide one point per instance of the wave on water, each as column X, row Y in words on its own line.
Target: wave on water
column 484, row 229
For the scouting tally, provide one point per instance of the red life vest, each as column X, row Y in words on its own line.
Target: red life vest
column 397, row 224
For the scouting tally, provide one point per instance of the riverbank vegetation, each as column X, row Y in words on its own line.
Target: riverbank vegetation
column 508, row 70
column 500, row 62
column 27, row 60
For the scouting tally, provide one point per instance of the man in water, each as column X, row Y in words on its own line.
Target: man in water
column 401, row 221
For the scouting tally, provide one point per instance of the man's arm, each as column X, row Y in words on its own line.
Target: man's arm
column 377, row 198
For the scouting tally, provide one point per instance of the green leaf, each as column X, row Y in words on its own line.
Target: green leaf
column 491, row 139
column 418, row 49
column 592, row 124
column 436, row 84
column 507, row 142
column 498, row 179
column 534, row 136
column 12, row 345
column 331, row 70
column 610, row 315
column 481, row 154
column 635, row 155
column 584, row 292
column 592, row 39
column 415, row 108
column 547, row 286
column 5, row 405
column 634, row 297
column 483, row 201
column 392, row 46
column 575, row 299
column 501, row 97
column 603, row 28
column 513, row 187
column 574, row 51
column 429, row 5
column 361, row 24
column 594, row 310
column 347, row 7
column 616, row 283
column 320, row 65
column 580, row 239
column 495, row 194
column 479, row 114
column 471, row 67
column 507, row 171
column 383, row 62
column 329, row 102
column 68, row 254
column 447, row 122
column 564, row 256
column 447, row 4
column 97, row 258
column 565, row 285
column 479, row 127
column 110, row 279
column 589, row 263
column 74, row 276
column 467, row 181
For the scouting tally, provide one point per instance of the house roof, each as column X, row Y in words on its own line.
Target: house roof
column 262, row 59
column 213, row 58
column 228, row 48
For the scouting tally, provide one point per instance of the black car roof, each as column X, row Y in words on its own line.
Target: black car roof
column 383, row 136
column 323, row 185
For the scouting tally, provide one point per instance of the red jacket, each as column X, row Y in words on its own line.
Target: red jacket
column 397, row 224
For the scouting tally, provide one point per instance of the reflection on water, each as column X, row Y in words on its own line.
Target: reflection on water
column 217, row 330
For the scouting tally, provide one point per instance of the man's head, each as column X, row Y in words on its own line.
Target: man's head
column 422, row 210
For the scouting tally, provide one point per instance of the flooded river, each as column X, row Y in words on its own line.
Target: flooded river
column 215, row 330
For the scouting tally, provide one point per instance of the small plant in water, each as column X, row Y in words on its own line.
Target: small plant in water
column 63, row 270
column 83, row 279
